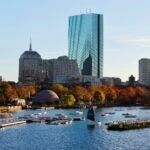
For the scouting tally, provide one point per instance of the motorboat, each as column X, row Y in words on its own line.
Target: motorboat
column 111, row 113
column 129, row 115
column 76, row 118
column 126, row 114
column 59, row 122
column 79, row 112
column 105, row 114
column 62, row 117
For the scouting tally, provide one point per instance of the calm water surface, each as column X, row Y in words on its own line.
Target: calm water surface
column 77, row 136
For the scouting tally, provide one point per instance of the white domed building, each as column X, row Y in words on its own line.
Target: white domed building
column 30, row 67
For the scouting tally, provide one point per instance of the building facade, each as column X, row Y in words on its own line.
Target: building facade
column 132, row 81
column 34, row 70
column 112, row 81
column 85, row 38
column 60, row 70
column 144, row 71
column 30, row 67
column 83, row 80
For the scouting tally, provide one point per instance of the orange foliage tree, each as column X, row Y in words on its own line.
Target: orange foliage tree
column 81, row 94
column 59, row 89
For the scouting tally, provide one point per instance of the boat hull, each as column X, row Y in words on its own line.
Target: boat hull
column 90, row 123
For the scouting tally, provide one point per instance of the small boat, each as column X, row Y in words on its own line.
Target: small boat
column 59, row 122
column 126, row 114
column 61, row 116
column 130, row 116
column 98, row 123
column 90, row 123
column 35, row 120
column 119, row 109
column 105, row 114
column 91, row 118
column 78, row 118
column 111, row 113
column 79, row 112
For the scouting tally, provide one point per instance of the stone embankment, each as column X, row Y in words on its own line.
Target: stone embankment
column 128, row 125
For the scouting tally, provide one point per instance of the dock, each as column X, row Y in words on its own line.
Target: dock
column 128, row 125
column 12, row 123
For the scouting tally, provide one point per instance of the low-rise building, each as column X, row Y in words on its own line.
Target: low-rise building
column 20, row 102
column 112, row 81
column 84, row 80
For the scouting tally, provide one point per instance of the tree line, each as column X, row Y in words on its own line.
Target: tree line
column 79, row 95
column 103, row 95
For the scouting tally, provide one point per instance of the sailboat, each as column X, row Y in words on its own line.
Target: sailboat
column 91, row 118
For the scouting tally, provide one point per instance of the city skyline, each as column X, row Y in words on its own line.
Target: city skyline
column 126, row 32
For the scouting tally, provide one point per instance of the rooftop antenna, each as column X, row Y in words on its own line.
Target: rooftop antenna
column 30, row 46
column 90, row 11
column 86, row 11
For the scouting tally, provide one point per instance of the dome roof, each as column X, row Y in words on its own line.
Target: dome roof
column 46, row 95
column 30, row 54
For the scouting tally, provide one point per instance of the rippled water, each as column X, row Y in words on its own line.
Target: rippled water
column 77, row 136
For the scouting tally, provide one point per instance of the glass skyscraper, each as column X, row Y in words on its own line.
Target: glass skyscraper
column 85, row 37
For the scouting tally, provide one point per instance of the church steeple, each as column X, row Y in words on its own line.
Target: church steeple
column 30, row 46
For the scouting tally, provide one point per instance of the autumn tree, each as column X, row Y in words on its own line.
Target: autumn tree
column 26, row 91
column 68, row 100
column 59, row 89
column 7, row 93
column 81, row 94
column 99, row 97
column 110, row 95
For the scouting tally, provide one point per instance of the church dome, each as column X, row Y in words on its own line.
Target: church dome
column 46, row 96
column 30, row 54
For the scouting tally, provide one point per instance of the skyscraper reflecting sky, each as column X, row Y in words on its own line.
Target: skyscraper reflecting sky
column 85, row 37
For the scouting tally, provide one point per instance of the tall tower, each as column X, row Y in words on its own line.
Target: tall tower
column 30, row 67
column 144, row 71
column 85, row 38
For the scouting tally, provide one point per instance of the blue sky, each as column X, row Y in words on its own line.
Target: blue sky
column 126, row 32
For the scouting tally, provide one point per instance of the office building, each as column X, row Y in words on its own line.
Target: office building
column 144, row 71
column 85, row 39
column 60, row 70
column 30, row 67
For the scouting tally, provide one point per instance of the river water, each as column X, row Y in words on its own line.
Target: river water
column 77, row 136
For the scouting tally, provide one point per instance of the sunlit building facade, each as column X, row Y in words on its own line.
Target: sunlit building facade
column 61, row 69
column 144, row 71
column 85, row 39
